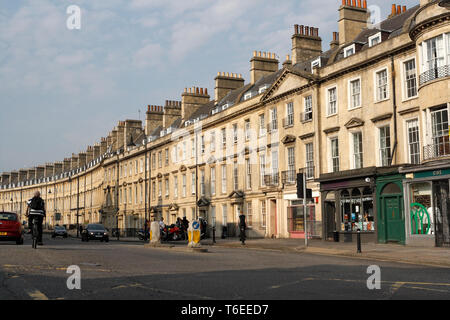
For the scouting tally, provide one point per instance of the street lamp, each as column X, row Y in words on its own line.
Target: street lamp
column 445, row 4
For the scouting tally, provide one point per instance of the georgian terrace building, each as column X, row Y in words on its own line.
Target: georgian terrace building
column 353, row 118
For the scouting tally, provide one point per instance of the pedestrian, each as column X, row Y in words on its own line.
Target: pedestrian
column 185, row 224
column 242, row 227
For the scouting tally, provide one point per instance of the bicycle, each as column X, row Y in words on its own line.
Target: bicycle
column 35, row 232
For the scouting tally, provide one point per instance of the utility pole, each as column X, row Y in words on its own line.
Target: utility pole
column 78, row 205
column 304, row 209
column 196, row 174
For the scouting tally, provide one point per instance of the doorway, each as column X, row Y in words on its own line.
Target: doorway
column 330, row 213
column 392, row 213
column 441, row 212
column 273, row 218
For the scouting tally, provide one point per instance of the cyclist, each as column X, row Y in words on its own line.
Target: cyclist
column 36, row 209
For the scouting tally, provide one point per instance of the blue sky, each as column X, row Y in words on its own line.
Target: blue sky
column 62, row 90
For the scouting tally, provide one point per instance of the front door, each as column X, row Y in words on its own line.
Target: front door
column 330, row 211
column 395, row 225
column 273, row 218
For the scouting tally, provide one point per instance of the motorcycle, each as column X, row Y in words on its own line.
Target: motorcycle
column 171, row 233
column 142, row 235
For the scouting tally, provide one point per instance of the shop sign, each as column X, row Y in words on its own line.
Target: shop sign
column 430, row 174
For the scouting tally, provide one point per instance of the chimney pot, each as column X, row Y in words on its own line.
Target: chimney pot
column 365, row 4
column 359, row 4
column 353, row 3
column 399, row 9
column 296, row 28
column 404, row 9
column 302, row 29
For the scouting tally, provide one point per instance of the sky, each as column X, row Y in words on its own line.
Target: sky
column 61, row 90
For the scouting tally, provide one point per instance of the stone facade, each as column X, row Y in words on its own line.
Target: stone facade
column 329, row 114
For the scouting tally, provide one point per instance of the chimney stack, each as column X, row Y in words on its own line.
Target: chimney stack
column 58, row 168
column 306, row 43
column 5, row 178
column 191, row 100
column 335, row 43
column 48, row 170
column 262, row 65
column 96, row 151
column 40, row 171
column 103, row 146
column 132, row 129
column 172, row 111
column 154, row 118
column 226, row 83
column 67, row 164
column 288, row 62
column 31, row 174
column 74, row 162
column 14, row 177
column 396, row 10
column 353, row 18
column 81, row 159
column 23, row 175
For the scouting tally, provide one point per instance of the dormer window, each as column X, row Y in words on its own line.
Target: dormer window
column 247, row 96
column 225, row 106
column 349, row 51
column 263, row 88
column 375, row 39
column 316, row 63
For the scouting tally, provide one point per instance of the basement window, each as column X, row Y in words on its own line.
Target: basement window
column 375, row 39
column 349, row 51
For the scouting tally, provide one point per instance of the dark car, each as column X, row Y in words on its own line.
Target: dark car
column 59, row 232
column 95, row 232
column 10, row 227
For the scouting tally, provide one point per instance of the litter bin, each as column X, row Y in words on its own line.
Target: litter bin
column 336, row 236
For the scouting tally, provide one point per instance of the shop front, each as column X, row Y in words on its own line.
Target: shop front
column 391, row 217
column 348, row 205
column 427, row 201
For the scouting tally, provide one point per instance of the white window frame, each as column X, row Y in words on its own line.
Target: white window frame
column 289, row 115
column 317, row 62
column 408, row 142
column 352, row 149
column 330, row 154
column 263, row 88
column 213, row 180
column 247, row 96
column 375, row 81
column 350, row 93
column 403, row 77
column 328, row 100
column 224, row 179
column 375, row 36
column 350, row 47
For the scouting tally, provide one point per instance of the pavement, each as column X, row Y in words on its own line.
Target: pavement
column 429, row 256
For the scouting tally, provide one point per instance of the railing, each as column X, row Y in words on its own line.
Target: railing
column 289, row 177
column 288, row 122
column 437, row 150
column 306, row 116
column 435, row 73
column 271, row 180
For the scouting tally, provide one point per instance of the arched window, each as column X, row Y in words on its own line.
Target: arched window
column 391, row 188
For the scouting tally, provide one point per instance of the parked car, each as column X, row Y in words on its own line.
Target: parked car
column 95, row 232
column 59, row 232
column 10, row 227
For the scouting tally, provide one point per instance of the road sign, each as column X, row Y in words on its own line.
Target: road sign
column 195, row 225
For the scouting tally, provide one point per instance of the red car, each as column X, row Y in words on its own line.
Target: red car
column 10, row 227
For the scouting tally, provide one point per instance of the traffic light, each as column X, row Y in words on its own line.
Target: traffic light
column 300, row 179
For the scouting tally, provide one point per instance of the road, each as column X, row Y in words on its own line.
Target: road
column 118, row 270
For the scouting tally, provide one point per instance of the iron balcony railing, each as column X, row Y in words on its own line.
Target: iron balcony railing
column 437, row 150
column 271, row 180
column 435, row 73
column 289, row 177
column 306, row 116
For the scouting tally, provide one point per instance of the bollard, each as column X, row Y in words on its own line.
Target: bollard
column 214, row 234
column 358, row 240
column 194, row 235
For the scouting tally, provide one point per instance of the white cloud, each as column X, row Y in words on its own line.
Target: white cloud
column 149, row 55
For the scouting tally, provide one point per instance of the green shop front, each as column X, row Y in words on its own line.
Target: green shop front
column 426, row 203
column 391, row 213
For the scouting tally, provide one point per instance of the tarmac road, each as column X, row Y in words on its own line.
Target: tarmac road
column 119, row 270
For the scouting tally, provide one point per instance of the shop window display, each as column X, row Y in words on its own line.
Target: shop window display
column 421, row 210
column 357, row 210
